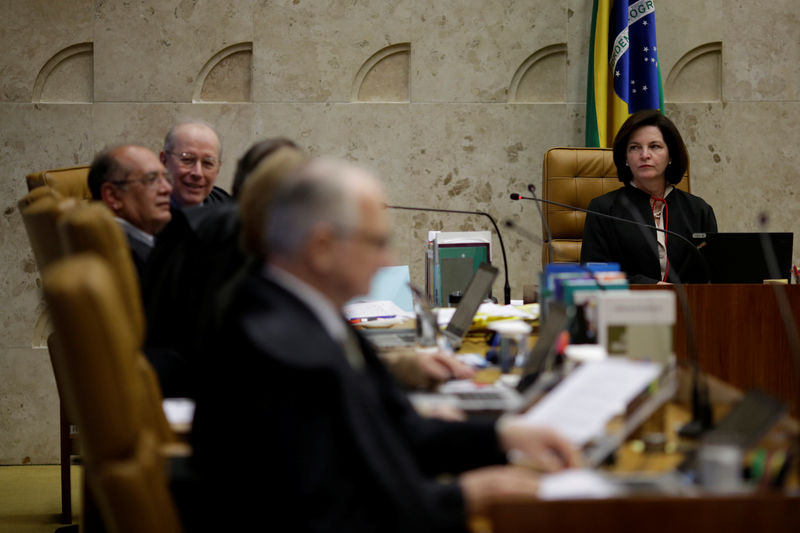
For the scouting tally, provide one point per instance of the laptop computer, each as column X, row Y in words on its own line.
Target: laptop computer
column 477, row 290
column 501, row 398
column 741, row 258
column 746, row 424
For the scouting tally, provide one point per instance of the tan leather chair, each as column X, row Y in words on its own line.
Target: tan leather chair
column 58, row 227
column 35, row 194
column 69, row 182
column 575, row 176
column 92, row 228
column 40, row 210
column 122, row 449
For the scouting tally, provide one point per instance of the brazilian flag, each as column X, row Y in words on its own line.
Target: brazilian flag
column 624, row 74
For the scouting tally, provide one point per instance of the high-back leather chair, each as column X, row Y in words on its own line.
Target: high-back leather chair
column 69, row 182
column 40, row 210
column 575, row 176
column 57, row 227
column 35, row 194
column 123, row 463
column 92, row 228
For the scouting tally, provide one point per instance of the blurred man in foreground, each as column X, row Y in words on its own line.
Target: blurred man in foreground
column 333, row 443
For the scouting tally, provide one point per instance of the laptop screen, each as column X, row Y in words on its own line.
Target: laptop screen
column 544, row 351
column 476, row 291
column 741, row 257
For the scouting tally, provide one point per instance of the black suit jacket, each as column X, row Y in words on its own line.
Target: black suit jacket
column 329, row 447
column 635, row 248
column 140, row 251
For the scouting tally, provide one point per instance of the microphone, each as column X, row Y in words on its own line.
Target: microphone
column 579, row 333
column 641, row 223
column 513, row 226
column 702, row 415
column 506, row 286
column 546, row 224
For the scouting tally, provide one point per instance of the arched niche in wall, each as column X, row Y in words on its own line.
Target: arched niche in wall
column 226, row 77
column 697, row 76
column 68, row 76
column 384, row 76
column 542, row 77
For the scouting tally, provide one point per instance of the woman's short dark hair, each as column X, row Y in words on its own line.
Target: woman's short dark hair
column 677, row 149
column 253, row 156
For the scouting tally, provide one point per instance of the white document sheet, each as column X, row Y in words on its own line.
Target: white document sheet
column 581, row 406
column 577, row 483
column 373, row 310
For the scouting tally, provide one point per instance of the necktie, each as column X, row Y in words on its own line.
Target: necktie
column 352, row 349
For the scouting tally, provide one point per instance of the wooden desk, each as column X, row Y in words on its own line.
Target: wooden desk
column 740, row 336
column 710, row 514
column 723, row 352
column 705, row 514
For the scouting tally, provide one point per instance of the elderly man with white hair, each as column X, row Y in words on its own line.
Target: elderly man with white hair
column 323, row 437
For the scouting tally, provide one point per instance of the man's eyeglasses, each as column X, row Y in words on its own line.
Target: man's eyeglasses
column 150, row 180
column 380, row 242
column 187, row 160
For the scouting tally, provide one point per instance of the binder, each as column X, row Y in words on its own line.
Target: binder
column 451, row 260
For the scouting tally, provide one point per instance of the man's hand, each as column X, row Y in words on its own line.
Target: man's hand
column 539, row 447
column 439, row 366
column 485, row 486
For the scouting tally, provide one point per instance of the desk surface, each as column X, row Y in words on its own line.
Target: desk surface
column 748, row 513
column 756, row 512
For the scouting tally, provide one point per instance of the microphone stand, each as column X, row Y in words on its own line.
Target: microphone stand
column 532, row 189
column 702, row 415
column 784, row 307
column 506, row 286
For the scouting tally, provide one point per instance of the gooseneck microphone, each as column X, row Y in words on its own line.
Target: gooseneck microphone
column 642, row 224
column 702, row 414
column 545, row 223
column 506, row 286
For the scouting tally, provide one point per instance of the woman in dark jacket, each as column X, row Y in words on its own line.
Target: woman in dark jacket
column 651, row 158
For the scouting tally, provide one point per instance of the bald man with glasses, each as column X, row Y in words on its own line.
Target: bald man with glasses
column 192, row 155
column 134, row 184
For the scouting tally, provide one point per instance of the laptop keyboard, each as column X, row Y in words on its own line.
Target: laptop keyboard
column 480, row 395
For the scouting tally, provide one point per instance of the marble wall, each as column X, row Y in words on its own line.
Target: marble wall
column 453, row 103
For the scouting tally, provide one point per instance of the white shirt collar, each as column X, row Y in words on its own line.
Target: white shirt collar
column 136, row 233
column 329, row 316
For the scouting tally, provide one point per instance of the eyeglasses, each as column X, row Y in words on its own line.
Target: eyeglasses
column 380, row 242
column 187, row 160
column 150, row 180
